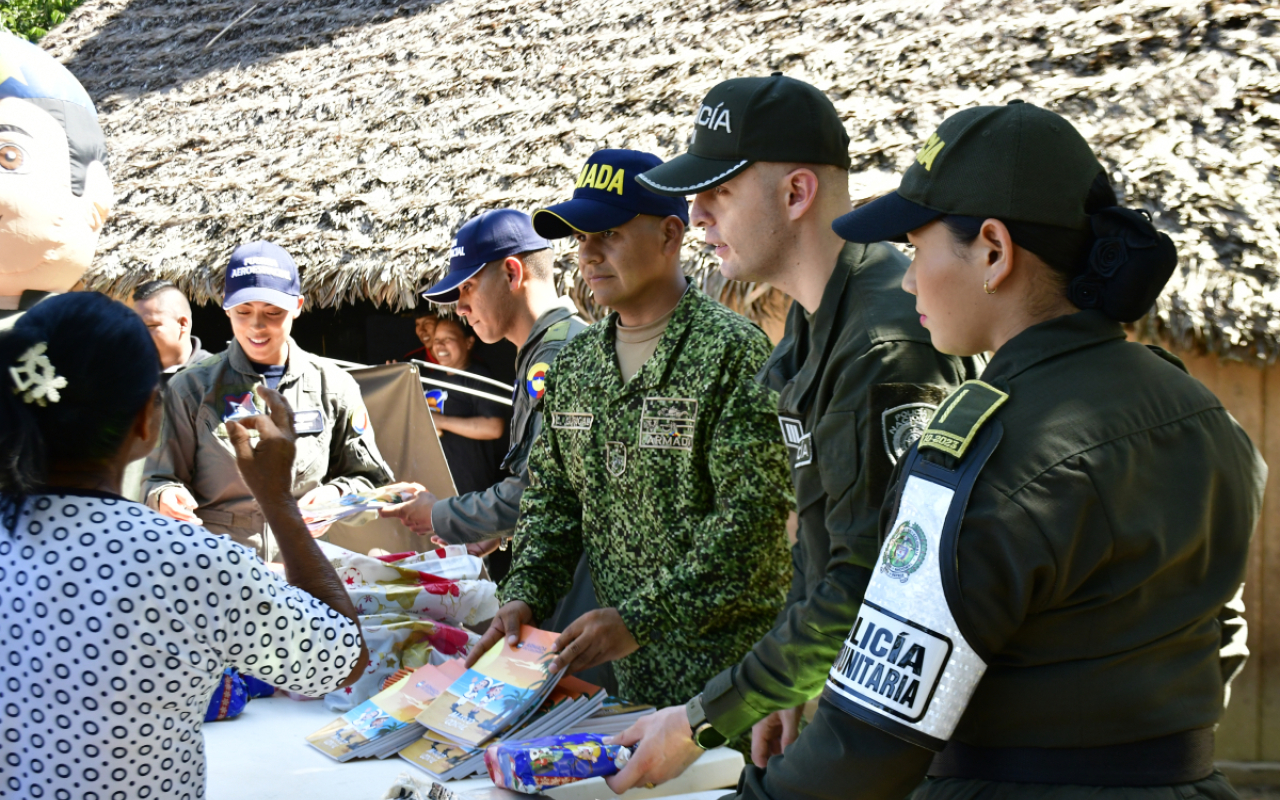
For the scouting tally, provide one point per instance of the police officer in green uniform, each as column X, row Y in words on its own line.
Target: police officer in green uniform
column 857, row 379
column 1054, row 612
column 661, row 458
column 192, row 475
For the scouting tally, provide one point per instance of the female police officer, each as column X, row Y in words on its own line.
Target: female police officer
column 1052, row 610
column 192, row 475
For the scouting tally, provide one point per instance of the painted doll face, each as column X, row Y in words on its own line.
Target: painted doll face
column 47, row 233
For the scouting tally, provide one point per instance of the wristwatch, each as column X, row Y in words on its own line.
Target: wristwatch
column 704, row 735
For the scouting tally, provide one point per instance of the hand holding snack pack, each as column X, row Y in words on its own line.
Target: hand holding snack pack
column 536, row 764
column 356, row 508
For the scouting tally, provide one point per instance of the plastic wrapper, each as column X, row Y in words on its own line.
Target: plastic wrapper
column 536, row 764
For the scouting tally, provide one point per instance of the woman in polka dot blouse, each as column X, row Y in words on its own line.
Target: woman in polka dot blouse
column 117, row 621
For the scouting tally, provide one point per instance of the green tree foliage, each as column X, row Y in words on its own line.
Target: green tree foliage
column 32, row 19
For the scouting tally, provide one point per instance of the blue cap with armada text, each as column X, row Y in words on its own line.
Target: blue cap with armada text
column 262, row 272
column 489, row 237
column 607, row 195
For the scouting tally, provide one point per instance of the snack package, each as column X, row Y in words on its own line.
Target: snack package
column 536, row 764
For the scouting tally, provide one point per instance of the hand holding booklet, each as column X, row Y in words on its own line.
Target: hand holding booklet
column 321, row 515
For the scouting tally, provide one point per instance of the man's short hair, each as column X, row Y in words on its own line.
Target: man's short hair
column 174, row 300
column 150, row 289
column 540, row 264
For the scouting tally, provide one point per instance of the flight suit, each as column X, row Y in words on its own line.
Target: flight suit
column 856, row 384
column 675, row 486
column 335, row 443
column 1082, row 601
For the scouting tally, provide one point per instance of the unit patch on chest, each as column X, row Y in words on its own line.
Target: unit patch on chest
column 667, row 423
column 571, row 421
column 799, row 443
column 615, row 458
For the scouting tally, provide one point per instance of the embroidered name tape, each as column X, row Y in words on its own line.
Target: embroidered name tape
column 960, row 417
column 571, row 421
column 668, row 423
column 309, row 420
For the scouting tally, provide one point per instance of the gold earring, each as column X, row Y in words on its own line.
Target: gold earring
column 987, row 288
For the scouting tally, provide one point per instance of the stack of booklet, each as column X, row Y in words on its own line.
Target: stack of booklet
column 440, row 718
column 384, row 724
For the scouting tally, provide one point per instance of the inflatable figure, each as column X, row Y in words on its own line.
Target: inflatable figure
column 55, row 193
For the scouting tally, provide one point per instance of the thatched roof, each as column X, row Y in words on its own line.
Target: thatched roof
column 360, row 133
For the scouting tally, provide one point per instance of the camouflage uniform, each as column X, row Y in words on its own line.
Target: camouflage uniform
column 675, row 484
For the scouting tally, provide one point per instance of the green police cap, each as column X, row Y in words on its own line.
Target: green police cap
column 745, row 120
column 1016, row 162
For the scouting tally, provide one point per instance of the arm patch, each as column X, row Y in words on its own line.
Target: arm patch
column 959, row 419
column 899, row 414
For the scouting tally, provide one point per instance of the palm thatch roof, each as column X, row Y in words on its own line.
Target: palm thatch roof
column 360, row 133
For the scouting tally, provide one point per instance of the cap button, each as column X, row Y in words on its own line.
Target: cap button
column 1011, row 102
column 775, row 74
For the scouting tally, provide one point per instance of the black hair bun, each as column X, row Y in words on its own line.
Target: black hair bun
column 1128, row 265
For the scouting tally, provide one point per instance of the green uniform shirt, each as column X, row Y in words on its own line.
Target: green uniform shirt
column 194, row 450
column 858, row 381
column 1102, row 544
column 675, row 485
column 477, row 516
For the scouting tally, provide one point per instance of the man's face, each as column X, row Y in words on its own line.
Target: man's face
column 452, row 348
column 168, row 328
column 47, row 233
column 262, row 330
column 425, row 328
column 744, row 219
column 622, row 265
column 486, row 301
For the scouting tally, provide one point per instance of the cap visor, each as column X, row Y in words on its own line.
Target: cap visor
column 690, row 174
column 446, row 291
column 885, row 219
column 579, row 216
column 257, row 294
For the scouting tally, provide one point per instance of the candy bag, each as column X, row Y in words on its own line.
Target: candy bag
column 535, row 764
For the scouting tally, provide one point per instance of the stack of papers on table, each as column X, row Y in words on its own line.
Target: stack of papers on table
column 614, row 716
column 384, row 724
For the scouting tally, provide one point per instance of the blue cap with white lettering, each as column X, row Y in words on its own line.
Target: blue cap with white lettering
column 608, row 195
column 262, row 272
column 482, row 240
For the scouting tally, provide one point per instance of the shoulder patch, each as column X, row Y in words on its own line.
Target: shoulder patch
column 535, row 381
column 359, row 420
column 899, row 414
column 558, row 332
column 959, row 419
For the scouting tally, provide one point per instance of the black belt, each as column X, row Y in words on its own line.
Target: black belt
column 1178, row 758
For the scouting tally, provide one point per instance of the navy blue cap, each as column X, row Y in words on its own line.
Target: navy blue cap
column 262, row 272
column 608, row 195
column 481, row 240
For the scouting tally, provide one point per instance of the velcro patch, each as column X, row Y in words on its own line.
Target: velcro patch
column 668, row 423
column 571, row 421
column 959, row 419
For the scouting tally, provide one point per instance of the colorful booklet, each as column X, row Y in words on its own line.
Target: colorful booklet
column 385, row 722
column 505, row 686
column 441, row 759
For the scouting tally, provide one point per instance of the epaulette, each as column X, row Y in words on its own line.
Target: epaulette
column 558, row 332
column 1167, row 356
column 958, row 420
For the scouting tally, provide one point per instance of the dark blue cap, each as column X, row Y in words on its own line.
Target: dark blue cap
column 263, row 272
column 608, row 195
column 481, row 240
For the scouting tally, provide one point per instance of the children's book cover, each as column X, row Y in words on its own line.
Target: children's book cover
column 437, row 755
column 505, row 684
column 380, row 715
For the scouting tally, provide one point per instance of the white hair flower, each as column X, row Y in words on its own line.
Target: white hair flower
column 35, row 378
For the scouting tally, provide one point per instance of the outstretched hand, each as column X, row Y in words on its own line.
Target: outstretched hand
column 506, row 623
column 267, row 468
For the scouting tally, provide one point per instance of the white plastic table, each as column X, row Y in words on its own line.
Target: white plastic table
column 263, row 755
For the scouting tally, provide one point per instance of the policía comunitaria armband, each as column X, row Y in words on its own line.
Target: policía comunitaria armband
column 908, row 666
